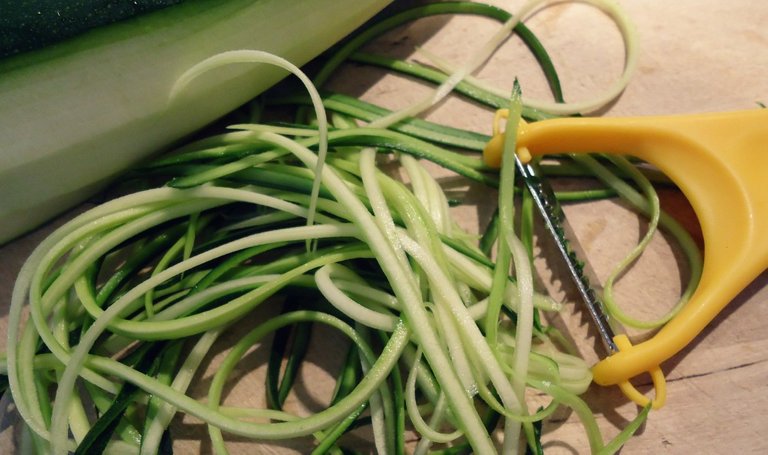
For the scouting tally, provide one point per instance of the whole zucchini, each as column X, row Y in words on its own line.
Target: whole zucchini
column 75, row 113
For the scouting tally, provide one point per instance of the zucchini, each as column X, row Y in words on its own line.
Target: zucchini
column 38, row 23
column 74, row 114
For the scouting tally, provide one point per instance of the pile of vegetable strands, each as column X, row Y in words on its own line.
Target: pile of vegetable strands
column 280, row 230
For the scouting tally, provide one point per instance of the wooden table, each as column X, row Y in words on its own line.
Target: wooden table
column 695, row 56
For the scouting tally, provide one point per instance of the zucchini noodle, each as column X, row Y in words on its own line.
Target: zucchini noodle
column 252, row 56
column 297, row 219
column 462, row 72
column 629, row 34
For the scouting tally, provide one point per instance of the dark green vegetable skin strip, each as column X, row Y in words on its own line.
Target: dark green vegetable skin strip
column 27, row 25
column 140, row 257
column 298, row 350
column 399, row 405
column 438, row 77
column 435, row 9
column 166, row 373
column 349, row 375
column 294, row 340
column 230, row 263
column 101, row 432
column 336, row 432
column 346, row 381
column 276, row 355
column 385, row 139
column 412, row 126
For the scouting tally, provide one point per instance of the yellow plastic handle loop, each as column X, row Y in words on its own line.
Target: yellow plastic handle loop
column 720, row 162
column 493, row 149
column 501, row 114
column 657, row 376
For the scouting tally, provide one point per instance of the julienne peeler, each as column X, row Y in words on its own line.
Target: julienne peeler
column 718, row 160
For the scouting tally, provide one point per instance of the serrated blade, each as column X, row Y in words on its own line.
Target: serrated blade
column 568, row 247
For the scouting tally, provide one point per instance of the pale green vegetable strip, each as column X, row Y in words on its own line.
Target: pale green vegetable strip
column 631, row 40
column 616, row 444
column 169, row 256
column 413, row 409
column 448, row 328
column 686, row 243
column 445, row 294
column 379, row 204
column 380, row 402
column 154, row 432
column 346, row 305
column 652, row 200
column 508, row 240
column 477, row 58
column 253, row 56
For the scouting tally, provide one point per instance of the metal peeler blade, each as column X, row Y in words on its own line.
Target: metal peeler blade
column 580, row 272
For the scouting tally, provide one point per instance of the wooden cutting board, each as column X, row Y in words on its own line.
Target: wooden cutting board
column 695, row 56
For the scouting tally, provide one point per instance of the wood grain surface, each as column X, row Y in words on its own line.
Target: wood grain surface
column 695, row 56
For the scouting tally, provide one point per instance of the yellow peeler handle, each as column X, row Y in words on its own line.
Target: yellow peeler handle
column 720, row 162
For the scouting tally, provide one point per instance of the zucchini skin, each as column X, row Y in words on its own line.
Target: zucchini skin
column 76, row 114
column 26, row 25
